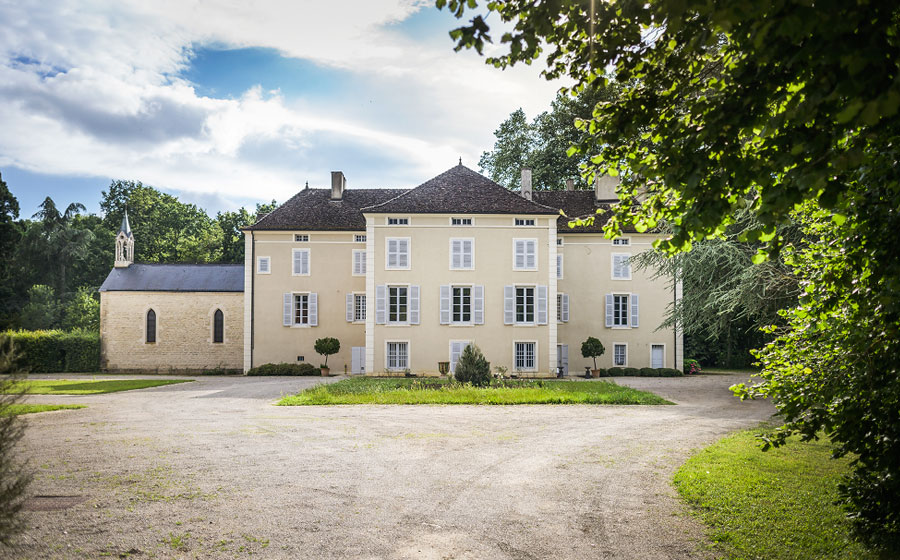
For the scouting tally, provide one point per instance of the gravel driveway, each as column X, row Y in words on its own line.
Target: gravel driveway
column 211, row 469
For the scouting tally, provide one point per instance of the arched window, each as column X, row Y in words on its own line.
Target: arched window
column 218, row 326
column 151, row 326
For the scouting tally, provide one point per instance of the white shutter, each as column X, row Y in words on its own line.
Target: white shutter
column 559, row 266
column 609, row 310
column 478, row 305
column 349, row 308
column 520, row 254
column 298, row 263
column 455, row 351
column 634, row 310
column 509, row 305
column 313, row 309
column 380, row 304
column 403, row 253
column 288, row 309
column 392, row 253
column 467, row 253
column 456, row 253
column 445, row 305
column 565, row 308
column 531, row 254
column 304, row 269
column 413, row 305
column 542, row 305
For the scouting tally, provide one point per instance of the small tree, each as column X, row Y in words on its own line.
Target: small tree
column 592, row 348
column 42, row 309
column 472, row 367
column 326, row 347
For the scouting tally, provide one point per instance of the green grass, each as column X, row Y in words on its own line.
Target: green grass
column 773, row 505
column 87, row 387
column 17, row 409
column 368, row 390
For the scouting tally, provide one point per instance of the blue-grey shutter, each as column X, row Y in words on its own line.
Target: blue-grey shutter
column 313, row 309
column 531, row 254
column 413, row 305
column 609, row 310
column 455, row 351
column 565, row 308
column 468, row 253
column 380, row 304
column 350, row 309
column 542, row 305
column 634, row 310
column 288, row 309
column 478, row 305
column 509, row 305
column 403, row 256
column 519, row 254
column 445, row 305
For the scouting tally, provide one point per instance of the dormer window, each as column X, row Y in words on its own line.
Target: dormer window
column 301, row 237
column 622, row 241
column 398, row 221
column 524, row 222
column 460, row 221
column 359, row 238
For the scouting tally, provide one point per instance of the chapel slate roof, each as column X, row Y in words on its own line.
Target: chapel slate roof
column 459, row 190
column 577, row 204
column 176, row 278
column 313, row 210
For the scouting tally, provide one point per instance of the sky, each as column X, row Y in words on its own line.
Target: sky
column 228, row 103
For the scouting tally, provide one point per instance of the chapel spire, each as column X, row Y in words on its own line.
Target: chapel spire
column 124, row 244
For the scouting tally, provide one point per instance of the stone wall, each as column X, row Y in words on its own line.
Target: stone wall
column 184, row 331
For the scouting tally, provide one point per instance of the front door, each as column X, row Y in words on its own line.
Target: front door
column 358, row 359
column 657, row 356
column 562, row 357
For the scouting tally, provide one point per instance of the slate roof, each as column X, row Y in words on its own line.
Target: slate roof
column 463, row 191
column 313, row 210
column 176, row 278
column 576, row 204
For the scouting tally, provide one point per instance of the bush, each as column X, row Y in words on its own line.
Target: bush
column 616, row 371
column 56, row 351
column 631, row 372
column 473, row 368
column 284, row 369
column 649, row 372
column 670, row 372
column 692, row 367
column 601, row 372
column 592, row 348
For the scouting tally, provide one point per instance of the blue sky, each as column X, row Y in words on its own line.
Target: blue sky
column 232, row 103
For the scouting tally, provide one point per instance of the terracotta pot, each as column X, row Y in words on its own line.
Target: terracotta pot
column 595, row 373
column 325, row 371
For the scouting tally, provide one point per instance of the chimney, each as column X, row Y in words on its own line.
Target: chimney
column 338, row 184
column 570, row 184
column 526, row 182
column 605, row 188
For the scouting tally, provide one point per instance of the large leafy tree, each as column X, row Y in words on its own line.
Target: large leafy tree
column 11, row 289
column 783, row 108
column 231, row 224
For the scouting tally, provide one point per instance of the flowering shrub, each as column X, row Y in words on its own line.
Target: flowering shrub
column 692, row 367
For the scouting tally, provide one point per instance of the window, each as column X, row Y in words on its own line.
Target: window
column 398, row 221
column 562, row 308
column 301, row 262
column 462, row 304
column 620, row 355
column 524, row 304
column 263, row 265
column 524, row 221
column 301, row 309
column 461, row 221
column 621, row 266
column 397, row 355
column 359, row 263
column 397, row 253
column 218, row 326
column 559, row 241
column 462, row 254
column 559, row 266
column 359, row 307
column 301, row 237
column 524, row 254
column 398, row 302
column 524, row 356
column 359, row 238
column 622, row 241
column 620, row 310
column 151, row 327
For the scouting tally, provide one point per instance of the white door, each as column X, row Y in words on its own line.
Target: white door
column 562, row 357
column 456, row 349
column 358, row 359
column 657, row 356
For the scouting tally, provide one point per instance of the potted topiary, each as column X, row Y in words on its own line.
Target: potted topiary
column 326, row 347
column 591, row 348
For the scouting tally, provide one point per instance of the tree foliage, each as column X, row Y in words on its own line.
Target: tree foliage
column 592, row 348
column 42, row 310
column 779, row 108
column 472, row 367
column 326, row 347
column 82, row 311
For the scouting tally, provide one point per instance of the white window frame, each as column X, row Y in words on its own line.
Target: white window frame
column 308, row 262
column 387, row 304
column 301, row 238
column 652, row 344
column 353, row 271
column 627, row 324
column 359, row 238
column 612, row 266
column 461, row 260
column 387, row 254
column 535, row 366
column 471, row 320
column 524, row 222
column 356, row 318
column 463, row 222
column 399, row 220
column 387, row 355
column 622, row 241
column 534, row 291
column 294, row 323
column 625, row 344
column 259, row 260
column 534, row 241
column 559, row 266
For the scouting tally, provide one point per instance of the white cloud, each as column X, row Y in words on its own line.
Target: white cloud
column 93, row 88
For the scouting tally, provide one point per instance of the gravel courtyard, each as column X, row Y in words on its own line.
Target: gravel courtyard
column 211, row 469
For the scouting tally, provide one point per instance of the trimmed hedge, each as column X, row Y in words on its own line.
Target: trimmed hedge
column 56, row 351
column 643, row 372
column 285, row 369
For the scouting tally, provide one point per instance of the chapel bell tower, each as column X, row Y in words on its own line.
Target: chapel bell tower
column 124, row 244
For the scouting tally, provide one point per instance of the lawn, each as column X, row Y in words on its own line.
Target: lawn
column 368, row 390
column 87, row 387
column 17, row 409
column 776, row 505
